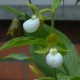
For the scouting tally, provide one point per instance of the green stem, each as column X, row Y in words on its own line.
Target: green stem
column 31, row 3
column 54, row 73
column 45, row 10
column 52, row 23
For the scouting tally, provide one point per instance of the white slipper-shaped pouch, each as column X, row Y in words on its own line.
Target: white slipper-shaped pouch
column 31, row 25
column 54, row 59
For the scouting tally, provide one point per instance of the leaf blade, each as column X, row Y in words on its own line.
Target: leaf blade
column 55, row 4
column 17, row 56
column 43, row 50
column 35, row 70
column 20, row 41
column 13, row 10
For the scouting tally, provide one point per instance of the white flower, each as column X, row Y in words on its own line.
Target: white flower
column 54, row 59
column 32, row 24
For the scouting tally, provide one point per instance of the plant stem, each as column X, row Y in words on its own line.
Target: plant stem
column 45, row 10
column 52, row 23
column 54, row 73
column 31, row 3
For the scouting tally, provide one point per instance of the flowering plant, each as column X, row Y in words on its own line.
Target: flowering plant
column 51, row 50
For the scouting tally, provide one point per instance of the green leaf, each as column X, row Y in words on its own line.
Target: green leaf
column 52, row 39
column 55, row 4
column 71, row 62
column 13, row 10
column 75, row 78
column 35, row 70
column 17, row 57
column 79, row 66
column 44, row 17
column 64, row 77
column 20, row 41
column 62, row 51
column 72, row 57
column 46, row 78
column 43, row 50
column 68, row 77
column 40, row 61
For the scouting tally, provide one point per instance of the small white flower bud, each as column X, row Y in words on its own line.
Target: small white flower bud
column 32, row 24
column 53, row 59
column 34, row 17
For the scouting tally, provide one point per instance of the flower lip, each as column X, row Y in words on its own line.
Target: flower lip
column 31, row 25
column 52, row 60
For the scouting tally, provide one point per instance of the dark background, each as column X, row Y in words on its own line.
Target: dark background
column 69, row 28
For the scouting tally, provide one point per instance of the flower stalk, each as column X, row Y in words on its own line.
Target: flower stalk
column 32, row 9
column 52, row 23
column 45, row 10
column 54, row 74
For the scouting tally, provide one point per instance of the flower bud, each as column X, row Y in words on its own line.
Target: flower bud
column 32, row 24
column 54, row 59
